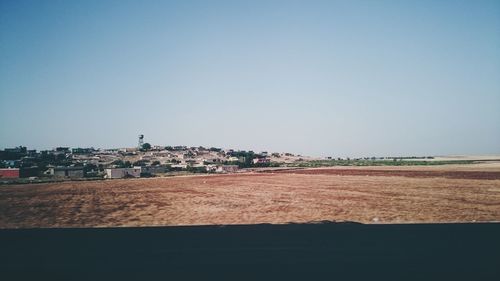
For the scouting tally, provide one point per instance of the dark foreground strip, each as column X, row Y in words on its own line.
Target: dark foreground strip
column 254, row 252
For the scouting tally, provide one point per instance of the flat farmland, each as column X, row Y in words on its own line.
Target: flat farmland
column 366, row 195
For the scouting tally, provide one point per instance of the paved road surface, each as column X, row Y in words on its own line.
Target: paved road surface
column 254, row 252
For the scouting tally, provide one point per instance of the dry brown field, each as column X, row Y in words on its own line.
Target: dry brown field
column 366, row 195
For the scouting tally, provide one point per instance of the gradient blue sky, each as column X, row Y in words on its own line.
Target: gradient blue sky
column 340, row 78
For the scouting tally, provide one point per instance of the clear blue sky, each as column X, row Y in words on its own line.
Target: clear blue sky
column 340, row 78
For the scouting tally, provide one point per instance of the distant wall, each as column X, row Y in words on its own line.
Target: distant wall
column 9, row 173
column 119, row 173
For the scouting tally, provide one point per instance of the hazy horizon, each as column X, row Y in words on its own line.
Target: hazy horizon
column 258, row 151
column 319, row 78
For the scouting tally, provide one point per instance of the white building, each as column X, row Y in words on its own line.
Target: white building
column 179, row 166
column 119, row 173
column 261, row 160
column 227, row 169
column 211, row 168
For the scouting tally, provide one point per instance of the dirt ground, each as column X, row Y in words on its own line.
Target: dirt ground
column 480, row 175
column 367, row 195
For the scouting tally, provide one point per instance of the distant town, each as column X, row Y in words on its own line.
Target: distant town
column 145, row 160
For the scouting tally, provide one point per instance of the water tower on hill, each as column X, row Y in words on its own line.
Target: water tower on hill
column 141, row 141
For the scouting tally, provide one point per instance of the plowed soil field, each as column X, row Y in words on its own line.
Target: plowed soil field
column 480, row 175
column 378, row 195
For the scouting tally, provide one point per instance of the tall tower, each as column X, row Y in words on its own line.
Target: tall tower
column 141, row 141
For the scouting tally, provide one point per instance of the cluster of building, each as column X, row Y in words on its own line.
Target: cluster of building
column 144, row 161
column 141, row 161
